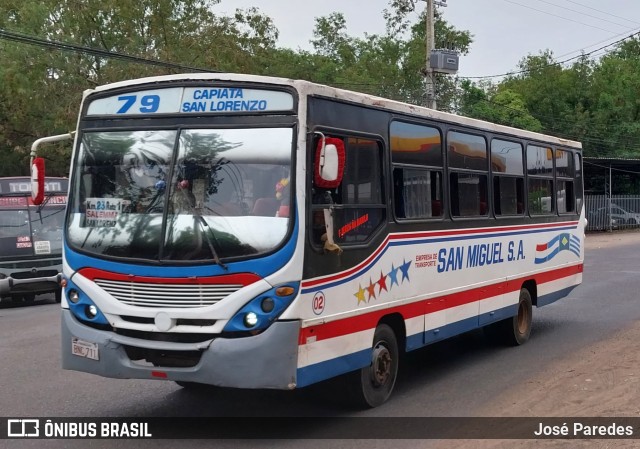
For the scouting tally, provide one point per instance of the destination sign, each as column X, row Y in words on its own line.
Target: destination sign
column 23, row 185
column 192, row 100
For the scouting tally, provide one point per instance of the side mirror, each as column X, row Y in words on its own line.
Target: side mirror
column 329, row 163
column 37, row 180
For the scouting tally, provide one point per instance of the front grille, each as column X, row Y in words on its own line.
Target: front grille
column 31, row 274
column 164, row 359
column 26, row 263
column 174, row 337
column 167, row 295
column 179, row 321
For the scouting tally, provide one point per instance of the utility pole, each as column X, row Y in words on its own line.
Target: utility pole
column 431, row 45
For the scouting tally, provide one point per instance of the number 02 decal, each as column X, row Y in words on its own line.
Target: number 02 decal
column 318, row 303
column 148, row 103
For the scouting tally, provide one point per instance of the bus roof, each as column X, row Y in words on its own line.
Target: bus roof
column 306, row 88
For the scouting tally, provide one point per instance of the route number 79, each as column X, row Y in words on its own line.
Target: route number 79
column 147, row 104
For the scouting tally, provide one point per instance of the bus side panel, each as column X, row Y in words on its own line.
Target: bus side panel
column 455, row 294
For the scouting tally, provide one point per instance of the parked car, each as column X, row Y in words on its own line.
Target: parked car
column 598, row 219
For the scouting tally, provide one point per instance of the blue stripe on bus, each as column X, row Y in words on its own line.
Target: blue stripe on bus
column 354, row 361
column 554, row 296
column 262, row 266
column 334, row 367
column 358, row 273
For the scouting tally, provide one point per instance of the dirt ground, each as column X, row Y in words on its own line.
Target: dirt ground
column 602, row 380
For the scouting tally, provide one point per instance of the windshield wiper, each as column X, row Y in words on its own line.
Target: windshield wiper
column 44, row 203
column 203, row 225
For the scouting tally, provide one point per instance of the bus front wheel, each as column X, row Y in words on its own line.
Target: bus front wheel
column 514, row 331
column 372, row 385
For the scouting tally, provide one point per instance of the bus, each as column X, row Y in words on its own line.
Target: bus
column 31, row 238
column 257, row 232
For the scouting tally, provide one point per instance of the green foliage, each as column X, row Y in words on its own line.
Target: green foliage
column 502, row 106
column 41, row 89
column 595, row 102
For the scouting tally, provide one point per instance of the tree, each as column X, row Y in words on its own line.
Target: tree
column 502, row 106
column 40, row 89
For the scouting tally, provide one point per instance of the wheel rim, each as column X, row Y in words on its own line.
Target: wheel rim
column 381, row 365
column 523, row 318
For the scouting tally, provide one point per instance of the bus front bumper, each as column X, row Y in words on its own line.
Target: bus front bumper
column 266, row 360
column 36, row 284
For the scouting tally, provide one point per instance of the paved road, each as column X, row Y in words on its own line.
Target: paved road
column 453, row 378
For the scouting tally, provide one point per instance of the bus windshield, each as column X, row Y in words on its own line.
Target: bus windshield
column 181, row 195
column 26, row 229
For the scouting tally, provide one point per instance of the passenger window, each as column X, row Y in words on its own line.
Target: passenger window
column 468, row 164
column 508, row 177
column 416, row 153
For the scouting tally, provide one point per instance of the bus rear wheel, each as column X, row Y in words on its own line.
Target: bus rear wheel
column 516, row 330
column 372, row 385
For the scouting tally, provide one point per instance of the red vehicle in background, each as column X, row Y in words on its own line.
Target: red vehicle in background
column 31, row 238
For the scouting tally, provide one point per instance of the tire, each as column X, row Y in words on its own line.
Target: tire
column 58, row 295
column 372, row 385
column 514, row 331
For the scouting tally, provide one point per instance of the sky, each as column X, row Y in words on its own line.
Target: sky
column 504, row 31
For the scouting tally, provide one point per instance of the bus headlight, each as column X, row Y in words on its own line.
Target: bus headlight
column 250, row 319
column 258, row 314
column 267, row 305
column 73, row 296
column 91, row 311
column 82, row 307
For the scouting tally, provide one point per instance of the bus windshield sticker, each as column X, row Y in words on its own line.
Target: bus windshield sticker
column 103, row 212
column 23, row 242
column 42, row 247
column 189, row 100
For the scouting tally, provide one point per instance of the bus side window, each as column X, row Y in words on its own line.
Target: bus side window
column 357, row 205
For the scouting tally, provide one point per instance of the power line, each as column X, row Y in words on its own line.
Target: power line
column 611, row 168
column 597, row 43
column 32, row 40
column 585, row 14
column 555, row 63
column 561, row 17
column 603, row 12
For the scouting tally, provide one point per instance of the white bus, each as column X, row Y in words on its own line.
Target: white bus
column 257, row 232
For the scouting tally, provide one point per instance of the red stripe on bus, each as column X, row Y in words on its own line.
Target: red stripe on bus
column 541, row 247
column 243, row 279
column 415, row 235
column 370, row 320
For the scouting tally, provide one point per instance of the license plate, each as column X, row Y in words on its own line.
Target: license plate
column 85, row 349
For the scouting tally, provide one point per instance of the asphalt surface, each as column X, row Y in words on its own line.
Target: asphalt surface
column 454, row 378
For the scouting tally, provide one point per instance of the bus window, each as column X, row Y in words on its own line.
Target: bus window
column 416, row 154
column 508, row 177
column 358, row 202
column 467, row 158
column 565, row 173
column 540, row 181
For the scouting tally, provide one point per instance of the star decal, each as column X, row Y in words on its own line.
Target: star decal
column 371, row 289
column 393, row 275
column 360, row 294
column 405, row 270
column 382, row 283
